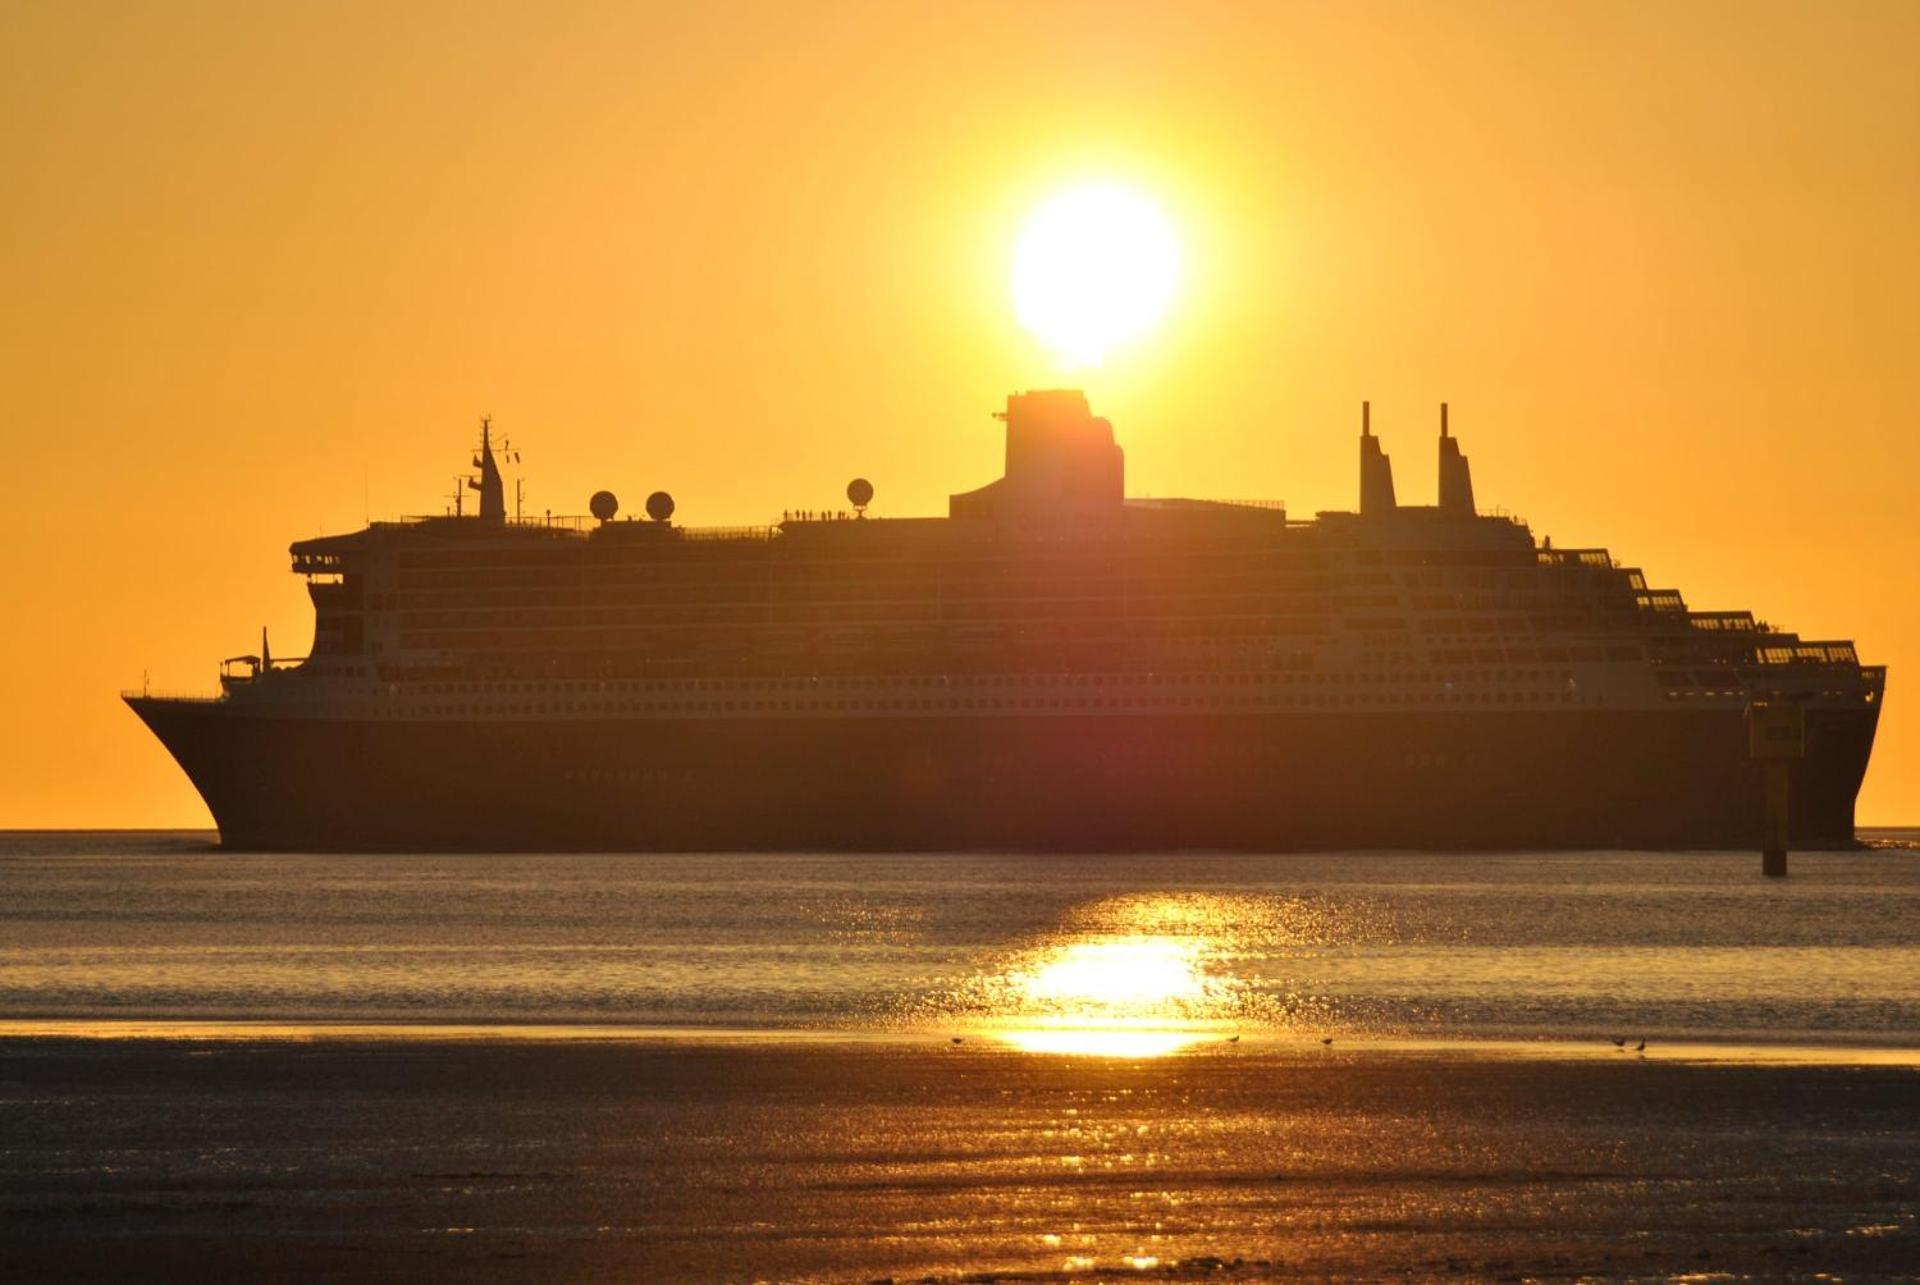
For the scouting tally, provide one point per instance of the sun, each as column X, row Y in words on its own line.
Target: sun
column 1094, row 267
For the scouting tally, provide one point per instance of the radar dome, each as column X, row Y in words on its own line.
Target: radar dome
column 659, row 506
column 604, row 505
column 860, row 491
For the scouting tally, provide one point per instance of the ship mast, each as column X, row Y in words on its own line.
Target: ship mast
column 493, row 491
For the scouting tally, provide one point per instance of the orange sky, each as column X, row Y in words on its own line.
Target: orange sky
column 263, row 266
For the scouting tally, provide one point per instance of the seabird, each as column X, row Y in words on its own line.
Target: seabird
column 1233, row 1039
column 1641, row 1047
column 958, row 1040
column 1619, row 1042
column 1328, row 1040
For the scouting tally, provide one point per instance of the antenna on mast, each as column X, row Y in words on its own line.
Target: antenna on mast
column 508, row 455
column 493, row 498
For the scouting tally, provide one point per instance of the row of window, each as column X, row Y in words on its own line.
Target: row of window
column 1307, row 700
column 983, row 561
column 1863, row 697
column 1049, row 682
column 1315, row 594
column 703, row 582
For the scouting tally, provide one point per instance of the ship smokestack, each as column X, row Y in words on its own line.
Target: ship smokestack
column 1061, row 459
column 1376, row 470
column 1456, row 479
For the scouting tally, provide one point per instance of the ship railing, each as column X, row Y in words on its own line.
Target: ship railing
column 578, row 523
column 800, row 516
column 176, row 697
column 729, row 532
column 1575, row 557
column 571, row 522
column 1808, row 653
column 560, row 521
column 1723, row 621
column 547, row 521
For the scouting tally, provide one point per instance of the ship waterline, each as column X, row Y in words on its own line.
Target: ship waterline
column 1052, row 666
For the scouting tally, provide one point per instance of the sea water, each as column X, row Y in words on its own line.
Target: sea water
column 124, row 928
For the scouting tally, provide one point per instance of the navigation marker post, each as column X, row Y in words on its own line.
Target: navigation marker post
column 1776, row 735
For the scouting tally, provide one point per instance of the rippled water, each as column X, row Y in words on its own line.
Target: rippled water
column 1509, row 945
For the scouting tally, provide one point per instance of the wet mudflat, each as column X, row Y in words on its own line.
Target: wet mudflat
column 782, row 1160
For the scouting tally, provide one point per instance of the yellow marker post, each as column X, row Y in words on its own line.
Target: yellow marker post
column 1776, row 734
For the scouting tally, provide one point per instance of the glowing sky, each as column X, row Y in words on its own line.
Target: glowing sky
column 262, row 267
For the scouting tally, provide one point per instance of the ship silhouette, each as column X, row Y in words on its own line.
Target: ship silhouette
column 1050, row 666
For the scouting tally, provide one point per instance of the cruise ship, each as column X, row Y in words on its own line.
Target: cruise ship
column 1051, row 666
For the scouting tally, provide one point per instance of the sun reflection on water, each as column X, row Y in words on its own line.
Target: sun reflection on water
column 1114, row 996
column 1099, row 1043
column 1128, row 977
column 1137, row 976
column 1143, row 974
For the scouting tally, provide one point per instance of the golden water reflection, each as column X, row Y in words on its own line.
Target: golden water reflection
column 1099, row 1043
column 1131, row 977
column 1137, row 976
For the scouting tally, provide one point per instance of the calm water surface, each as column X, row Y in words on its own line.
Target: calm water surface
column 1694, row 946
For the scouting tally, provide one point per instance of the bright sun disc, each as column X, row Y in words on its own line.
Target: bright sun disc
column 1094, row 267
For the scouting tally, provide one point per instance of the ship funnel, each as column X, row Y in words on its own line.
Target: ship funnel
column 1456, row 479
column 1376, row 470
column 1060, row 459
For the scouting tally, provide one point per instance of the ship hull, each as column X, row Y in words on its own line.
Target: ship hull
column 1298, row 781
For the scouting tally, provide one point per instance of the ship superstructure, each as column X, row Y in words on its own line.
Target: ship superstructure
column 1052, row 665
